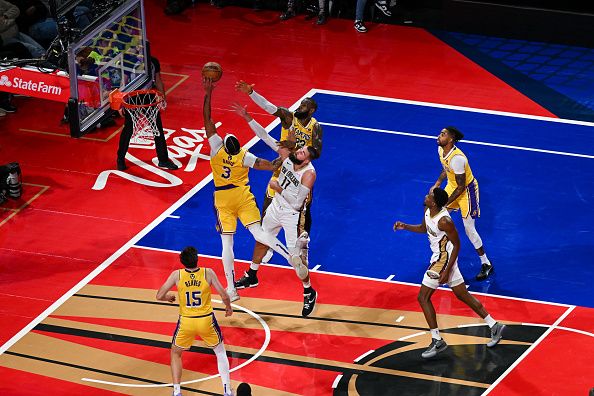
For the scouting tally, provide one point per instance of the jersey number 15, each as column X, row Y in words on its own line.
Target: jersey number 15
column 193, row 299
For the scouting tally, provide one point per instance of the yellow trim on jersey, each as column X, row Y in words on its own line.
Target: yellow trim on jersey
column 228, row 169
column 193, row 293
column 445, row 162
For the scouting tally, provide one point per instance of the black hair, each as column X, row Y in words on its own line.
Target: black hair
column 232, row 146
column 313, row 153
column 244, row 390
column 314, row 104
column 455, row 133
column 189, row 257
column 440, row 196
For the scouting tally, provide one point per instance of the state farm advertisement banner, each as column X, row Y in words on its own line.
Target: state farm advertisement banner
column 32, row 82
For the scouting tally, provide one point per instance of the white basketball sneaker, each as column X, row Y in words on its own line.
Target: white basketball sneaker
column 233, row 295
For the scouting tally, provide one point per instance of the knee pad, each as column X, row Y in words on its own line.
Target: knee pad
column 472, row 234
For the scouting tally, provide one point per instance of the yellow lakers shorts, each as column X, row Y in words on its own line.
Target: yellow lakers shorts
column 468, row 201
column 233, row 203
column 189, row 328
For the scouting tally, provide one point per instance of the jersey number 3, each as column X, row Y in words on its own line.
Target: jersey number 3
column 193, row 299
column 226, row 172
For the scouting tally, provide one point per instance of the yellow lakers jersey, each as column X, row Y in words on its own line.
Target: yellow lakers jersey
column 303, row 134
column 445, row 161
column 193, row 293
column 228, row 169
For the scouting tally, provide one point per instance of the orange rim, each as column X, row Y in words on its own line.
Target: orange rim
column 126, row 96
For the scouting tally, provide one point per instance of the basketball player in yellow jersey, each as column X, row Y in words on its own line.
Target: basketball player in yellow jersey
column 233, row 199
column 463, row 190
column 195, row 315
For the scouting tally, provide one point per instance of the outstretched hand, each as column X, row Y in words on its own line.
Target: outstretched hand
column 170, row 297
column 207, row 84
column 398, row 226
column 240, row 110
column 244, row 87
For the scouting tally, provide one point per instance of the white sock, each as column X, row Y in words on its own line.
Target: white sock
column 484, row 259
column 223, row 364
column 267, row 256
column 254, row 266
column 176, row 389
column 228, row 260
column 490, row 321
column 435, row 334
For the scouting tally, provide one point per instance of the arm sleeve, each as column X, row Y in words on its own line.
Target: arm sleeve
column 249, row 160
column 216, row 142
column 262, row 134
column 458, row 163
column 263, row 103
column 296, row 203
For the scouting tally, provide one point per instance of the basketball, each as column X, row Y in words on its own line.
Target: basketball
column 213, row 71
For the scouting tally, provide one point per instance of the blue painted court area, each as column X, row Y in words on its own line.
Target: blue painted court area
column 536, row 207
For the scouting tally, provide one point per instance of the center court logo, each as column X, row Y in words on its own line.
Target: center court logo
column 4, row 81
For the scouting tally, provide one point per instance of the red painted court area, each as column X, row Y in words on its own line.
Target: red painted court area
column 62, row 229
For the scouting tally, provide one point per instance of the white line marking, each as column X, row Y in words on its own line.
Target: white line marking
column 336, row 381
column 530, row 349
column 256, row 355
column 317, row 267
column 472, row 325
column 535, row 324
column 365, row 354
column 389, row 278
column 400, row 318
column 460, row 108
column 537, row 150
column 411, row 336
column 173, row 217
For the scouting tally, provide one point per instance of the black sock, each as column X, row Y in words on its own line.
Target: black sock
column 308, row 290
column 252, row 273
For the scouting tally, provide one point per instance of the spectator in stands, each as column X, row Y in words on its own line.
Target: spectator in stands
column 382, row 5
column 9, row 31
column 318, row 7
column 34, row 20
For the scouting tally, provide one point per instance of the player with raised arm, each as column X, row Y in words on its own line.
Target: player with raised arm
column 299, row 126
column 233, row 199
column 294, row 184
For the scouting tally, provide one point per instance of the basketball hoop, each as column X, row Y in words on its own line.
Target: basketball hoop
column 143, row 106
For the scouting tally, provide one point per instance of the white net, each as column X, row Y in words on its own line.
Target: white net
column 143, row 107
